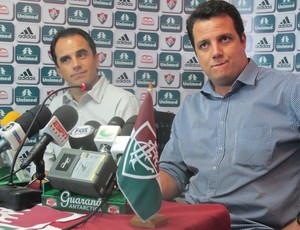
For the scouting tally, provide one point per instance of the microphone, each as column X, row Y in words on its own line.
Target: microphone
column 121, row 141
column 107, row 134
column 14, row 132
column 82, row 137
column 63, row 119
column 10, row 116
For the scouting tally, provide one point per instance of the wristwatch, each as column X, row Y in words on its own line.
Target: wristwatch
column 298, row 218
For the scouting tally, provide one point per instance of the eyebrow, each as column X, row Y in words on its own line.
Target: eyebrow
column 77, row 52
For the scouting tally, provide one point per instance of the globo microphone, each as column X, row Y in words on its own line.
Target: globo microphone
column 82, row 137
column 14, row 132
column 63, row 119
column 107, row 133
column 122, row 139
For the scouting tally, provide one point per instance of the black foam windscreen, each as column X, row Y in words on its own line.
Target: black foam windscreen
column 117, row 121
column 67, row 115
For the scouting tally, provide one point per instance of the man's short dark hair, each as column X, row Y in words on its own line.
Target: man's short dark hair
column 67, row 33
column 211, row 9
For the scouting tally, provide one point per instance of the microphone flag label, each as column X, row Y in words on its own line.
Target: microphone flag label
column 138, row 171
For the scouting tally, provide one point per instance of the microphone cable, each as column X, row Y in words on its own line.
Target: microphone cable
column 83, row 87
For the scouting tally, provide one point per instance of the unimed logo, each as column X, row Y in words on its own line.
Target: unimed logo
column 6, row 74
column 6, row 31
column 125, row 20
column 4, row 111
column 148, row 5
column 124, row 58
column 107, row 73
column 78, row 16
column 27, row 95
column 170, row 61
column 264, row 60
column 49, row 76
column 102, row 38
column 103, row 3
column 264, row 23
column 171, row 23
column 147, row 41
column 187, row 45
column 169, row 98
column 284, row 5
column 28, row 12
column 48, row 32
column 144, row 77
column 192, row 80
column 27, row 54
column 190, row 6
column 285, row 42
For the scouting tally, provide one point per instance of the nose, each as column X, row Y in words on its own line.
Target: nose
column 217, row 50
column 76, row 64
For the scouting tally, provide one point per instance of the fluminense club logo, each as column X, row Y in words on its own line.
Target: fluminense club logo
column 28, row 12
column 124, row 59
column 6, row 74
column 148, row 5
column 102, row 38
column 192, row 80
column 147, row 41
column 144, row 77
column 27, row 95
column 171, row 23
column 78, row 16
column 264, row 60
column 169, row 98
column 49, row 76
column 169, row 78
column 125, row 20
column 27, row 54
column 264, row 23
column 102, row 17
column 169, row 61
column 53, row 13
column 171, row 4
column 6, row 31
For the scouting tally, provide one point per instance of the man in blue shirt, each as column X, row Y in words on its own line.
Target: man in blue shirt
column 237, row 141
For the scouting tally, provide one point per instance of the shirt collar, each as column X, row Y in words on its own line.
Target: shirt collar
column 247, row 77
column 96, row 93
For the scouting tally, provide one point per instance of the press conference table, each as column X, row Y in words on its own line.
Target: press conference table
column 180, row 216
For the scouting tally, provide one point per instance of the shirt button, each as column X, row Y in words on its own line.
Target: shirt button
column 214, row 167
column 220, row 148
column 222, row 123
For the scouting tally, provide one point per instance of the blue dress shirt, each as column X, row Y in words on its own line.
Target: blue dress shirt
column 241, row 150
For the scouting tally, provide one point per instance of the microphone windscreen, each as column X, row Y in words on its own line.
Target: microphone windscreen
column 117, row 121
column 43, row 118
column 67, row 116
column 10, row 116
column 128, row 126
column 94, row 124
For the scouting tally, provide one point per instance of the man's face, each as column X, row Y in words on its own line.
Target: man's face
column 220, row 51
column 76, row 62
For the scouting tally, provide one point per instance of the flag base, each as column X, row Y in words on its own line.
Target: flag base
column 156, row 221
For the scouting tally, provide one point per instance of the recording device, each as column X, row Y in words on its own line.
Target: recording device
column 10, row 116
column 14, row 132
column 107, row 134
column 55, row 131
column 83, row 172
column 82, row 137
column 122, row 140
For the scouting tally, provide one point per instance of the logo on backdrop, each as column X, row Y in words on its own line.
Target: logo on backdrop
column 264, row 23
column 6, row 32
column 169, row 98
column 192, row 80
column 102, row 38
column 6, row 74
column 244, row 7
column 148, row 5
column 28, row 12
column 171, row 23
column 103, row 3
column 264, row 6
column 285, row 42
column 297, row 62
column 123, row 78
column 284, row 62
column 27, row 95
column 170, row 61
column 283, row 5
column 27, row 74
column 49, row 76
column 144, row 77
column 78, row 16
column 27, row 33
column 124, row 59
column 125, row 20
column 264, row 60
column 263, row 43
column 48, row 32
column 27, row 54
column 147, row 41
column 126, row 40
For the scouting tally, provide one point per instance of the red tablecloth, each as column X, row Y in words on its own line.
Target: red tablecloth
column 180, row 216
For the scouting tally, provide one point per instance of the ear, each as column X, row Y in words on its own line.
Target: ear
column 243, row 40
column 97, row 59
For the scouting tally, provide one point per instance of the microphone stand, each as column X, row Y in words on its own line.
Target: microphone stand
column 17, row 197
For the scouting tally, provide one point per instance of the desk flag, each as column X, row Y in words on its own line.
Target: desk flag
column 138, row 170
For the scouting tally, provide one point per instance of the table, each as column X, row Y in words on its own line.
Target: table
column 180, row 216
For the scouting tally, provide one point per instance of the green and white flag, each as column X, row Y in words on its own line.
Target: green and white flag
column 138, row 170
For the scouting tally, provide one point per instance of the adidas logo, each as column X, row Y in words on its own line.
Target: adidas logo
column 284, row 63
column 123, row 78
column 263, row 43
column 27, row 33
column 285, row 23
column 264, row 5
column 193, row 62
column 26, row 76
column 124, row 40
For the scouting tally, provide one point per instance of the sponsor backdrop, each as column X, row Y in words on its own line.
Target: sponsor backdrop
column 139, row 41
